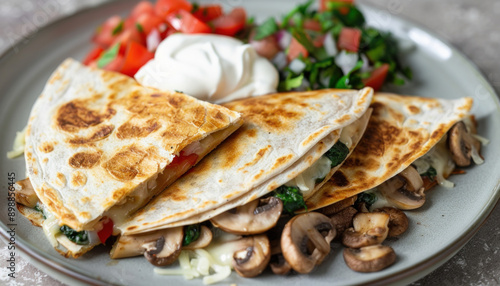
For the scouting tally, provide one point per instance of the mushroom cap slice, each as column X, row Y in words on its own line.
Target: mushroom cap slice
column 405, row 190
column 462, row 144
column 133, row 245
column 306, row 240
column 165, row 250
column 338, row 206
column 255, row 217
column 252, row 255
column 343, row 220
column 202, row 241
column 398, row 221
column 368, row 229
column 25, row 194
column 369, row 258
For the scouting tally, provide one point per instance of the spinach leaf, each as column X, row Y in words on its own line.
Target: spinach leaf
column 368, row 198
column 191, row 233
column 431, row 173
column 337, row 153
column 78, row 237
column 291, row 197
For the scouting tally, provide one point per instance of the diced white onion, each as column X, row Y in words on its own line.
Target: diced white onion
column 330, row 45
column 153, row 40
column 297, row 66
column 280, row 60
column 284, row 39
column 346, row 61
column 366, row 63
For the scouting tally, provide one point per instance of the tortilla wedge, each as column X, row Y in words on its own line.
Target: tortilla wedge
column 279, row 132
column 401, row 130
column 100, row 145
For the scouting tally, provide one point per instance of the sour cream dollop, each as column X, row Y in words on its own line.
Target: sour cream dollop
column 209, row 67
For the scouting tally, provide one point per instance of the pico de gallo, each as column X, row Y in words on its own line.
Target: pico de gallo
column 329, row 47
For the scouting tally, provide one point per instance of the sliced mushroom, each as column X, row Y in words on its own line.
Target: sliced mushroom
column 255, row 217
column 369, row 258
column 202, row 241
column 398, row 221
column 252, row 255
column 343, row 220
column 306, row 240
column 405, row 190
column 25, row 194
column 368, row 229
column 161, row 247
column 338, row 206
column 463, row 146
column 278, row 263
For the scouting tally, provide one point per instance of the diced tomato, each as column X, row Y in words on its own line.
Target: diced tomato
column 104, row 36
column 267, row 47
column 349, row 39
column 185, row 22
column 147, row 23
column 136, row 56
column 93, row 55
column 318, row 40
column 323, row 4
column 127, row 36
column 142, row 8
column 312, row 25
column 116, row 64
column 165, row 7
column 377, row 77
column 231, row 23
column 106, row 231
column 295, row 50
column 183, row 159
column 208, row 12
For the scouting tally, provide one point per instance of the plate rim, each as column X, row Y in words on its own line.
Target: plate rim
column 411, row 273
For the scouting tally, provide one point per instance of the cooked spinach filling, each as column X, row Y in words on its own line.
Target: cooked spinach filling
column 368, row 198
column 337, row 153
column 78, row 237
column 431, row 173
column 191, row 233
column 291, row 197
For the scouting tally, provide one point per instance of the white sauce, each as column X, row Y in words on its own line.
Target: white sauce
column 209, row 67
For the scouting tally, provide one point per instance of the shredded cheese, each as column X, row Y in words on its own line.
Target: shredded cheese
column 18, row 146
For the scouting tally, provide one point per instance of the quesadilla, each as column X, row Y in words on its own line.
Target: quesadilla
column 99, row 146
column 282, row 136
column 401, row 130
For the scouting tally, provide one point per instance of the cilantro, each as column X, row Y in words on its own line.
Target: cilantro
column 78, row 237
column 352, row 79
column 191, row 233
column 337, row 153
column 291, row 82
column 291, row 197
column 431, row 173
column 139, row 28
column 368, row 198
column 118, row 29
column 353, row 18
column 108, row 56
column 268, row 28
column 196, row 7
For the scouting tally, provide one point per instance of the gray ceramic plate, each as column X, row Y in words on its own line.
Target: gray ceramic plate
column 437, row 231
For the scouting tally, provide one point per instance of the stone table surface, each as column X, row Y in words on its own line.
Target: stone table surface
column 473, row 26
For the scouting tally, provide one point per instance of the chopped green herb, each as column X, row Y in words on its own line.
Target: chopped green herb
column 352, row 79
column 291, row 83
column 139, row 28
column 191, row 233
column 291, row 197
column 196, row 7
column 118, row 29
column 39, row 209
column 337, row 153
column 268, row 28
column 431, row 173
column 368, row 198
column 78, row 237
column 108, row 56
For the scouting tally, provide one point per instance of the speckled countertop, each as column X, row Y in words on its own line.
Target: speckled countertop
column 473, row 26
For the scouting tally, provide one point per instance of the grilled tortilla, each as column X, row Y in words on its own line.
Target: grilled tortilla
column 279, row 132
column 401, row 130
column 99, row 144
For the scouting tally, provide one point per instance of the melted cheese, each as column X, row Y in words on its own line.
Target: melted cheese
column 307, row 179
column 439, row 157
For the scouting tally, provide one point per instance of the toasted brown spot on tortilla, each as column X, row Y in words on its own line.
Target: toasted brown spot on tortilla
column 46, row 147
column 78, row 179
column 85, row 215
column 314, row 136
column 413, row 109
column 86, row 200
column 260, row 154
column 156, row 95
column 75, row 115
column 124, row 164
column 85, row 160
column 45, row 160
column 339, row 179
column 129, row 130
column 61, row 179
column 281, row 161
column 259, row 174
column 119, row 194
column 132, row 227
column 101, row 133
